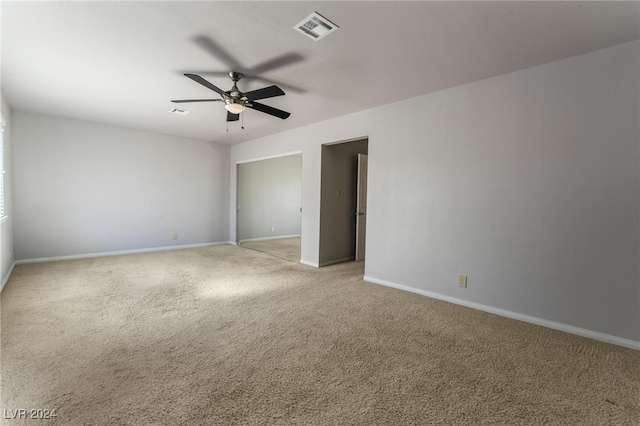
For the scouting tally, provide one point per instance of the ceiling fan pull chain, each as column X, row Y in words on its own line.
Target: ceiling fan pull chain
column 242, row 118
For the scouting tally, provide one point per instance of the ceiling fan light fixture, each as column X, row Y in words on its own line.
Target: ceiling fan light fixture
column 234, row 107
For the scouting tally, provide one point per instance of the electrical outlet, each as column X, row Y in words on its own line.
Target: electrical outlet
column 462, row 281
column 175, row 236
column 273, row 229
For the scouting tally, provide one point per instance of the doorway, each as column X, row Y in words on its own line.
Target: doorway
column 341, row 202
column 269, row 206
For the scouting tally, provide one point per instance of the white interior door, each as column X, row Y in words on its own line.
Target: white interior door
column 361, row 207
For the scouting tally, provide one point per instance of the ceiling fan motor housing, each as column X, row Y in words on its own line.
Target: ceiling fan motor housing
column 234, row 92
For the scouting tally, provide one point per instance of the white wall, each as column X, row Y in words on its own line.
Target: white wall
column 269, row 198
column 6, row 227
column 83, row 188
column 528, row 183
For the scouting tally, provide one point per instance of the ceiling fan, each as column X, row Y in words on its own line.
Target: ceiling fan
column 236, row 101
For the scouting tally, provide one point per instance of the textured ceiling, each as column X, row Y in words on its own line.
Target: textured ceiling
column 120, row 63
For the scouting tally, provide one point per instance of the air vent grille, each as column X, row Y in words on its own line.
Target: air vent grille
column 315, row 26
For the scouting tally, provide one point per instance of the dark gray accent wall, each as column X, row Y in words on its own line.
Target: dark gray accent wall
column 339, row 172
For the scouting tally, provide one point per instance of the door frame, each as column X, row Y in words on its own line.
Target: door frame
column 237, row 187
column 361, row 211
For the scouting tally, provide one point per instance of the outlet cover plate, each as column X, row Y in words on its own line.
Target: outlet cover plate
column 462, row 281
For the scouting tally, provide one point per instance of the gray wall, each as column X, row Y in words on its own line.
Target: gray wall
column 338, row 198
column 528, row 183
column 83, row 188
column 269, row 198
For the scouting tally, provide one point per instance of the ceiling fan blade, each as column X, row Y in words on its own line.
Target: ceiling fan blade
column 269, row 110
column 197, row 100
column 205, row 83
column 266, row 92
column 213, row 73
column 232, row 117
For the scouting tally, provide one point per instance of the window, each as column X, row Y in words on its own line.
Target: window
column 1, row 168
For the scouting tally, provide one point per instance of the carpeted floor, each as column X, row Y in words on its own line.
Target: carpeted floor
column 286, row 248
column 224, row 335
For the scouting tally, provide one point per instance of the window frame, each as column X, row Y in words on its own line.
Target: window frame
column 3, row 213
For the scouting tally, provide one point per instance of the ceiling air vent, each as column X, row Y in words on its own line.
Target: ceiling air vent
column 315, row 26
column 179, row 111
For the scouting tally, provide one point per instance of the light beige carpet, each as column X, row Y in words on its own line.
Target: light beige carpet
column 224, row 335
column 286, row 248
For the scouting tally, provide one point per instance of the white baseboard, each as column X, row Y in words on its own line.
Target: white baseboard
column 607, row 338
column 333, row 262
column 306, row 262
column 269, row 238
column 5, row 279
column 117, row 253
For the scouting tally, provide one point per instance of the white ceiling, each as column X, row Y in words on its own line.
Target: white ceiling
column 120, row 63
